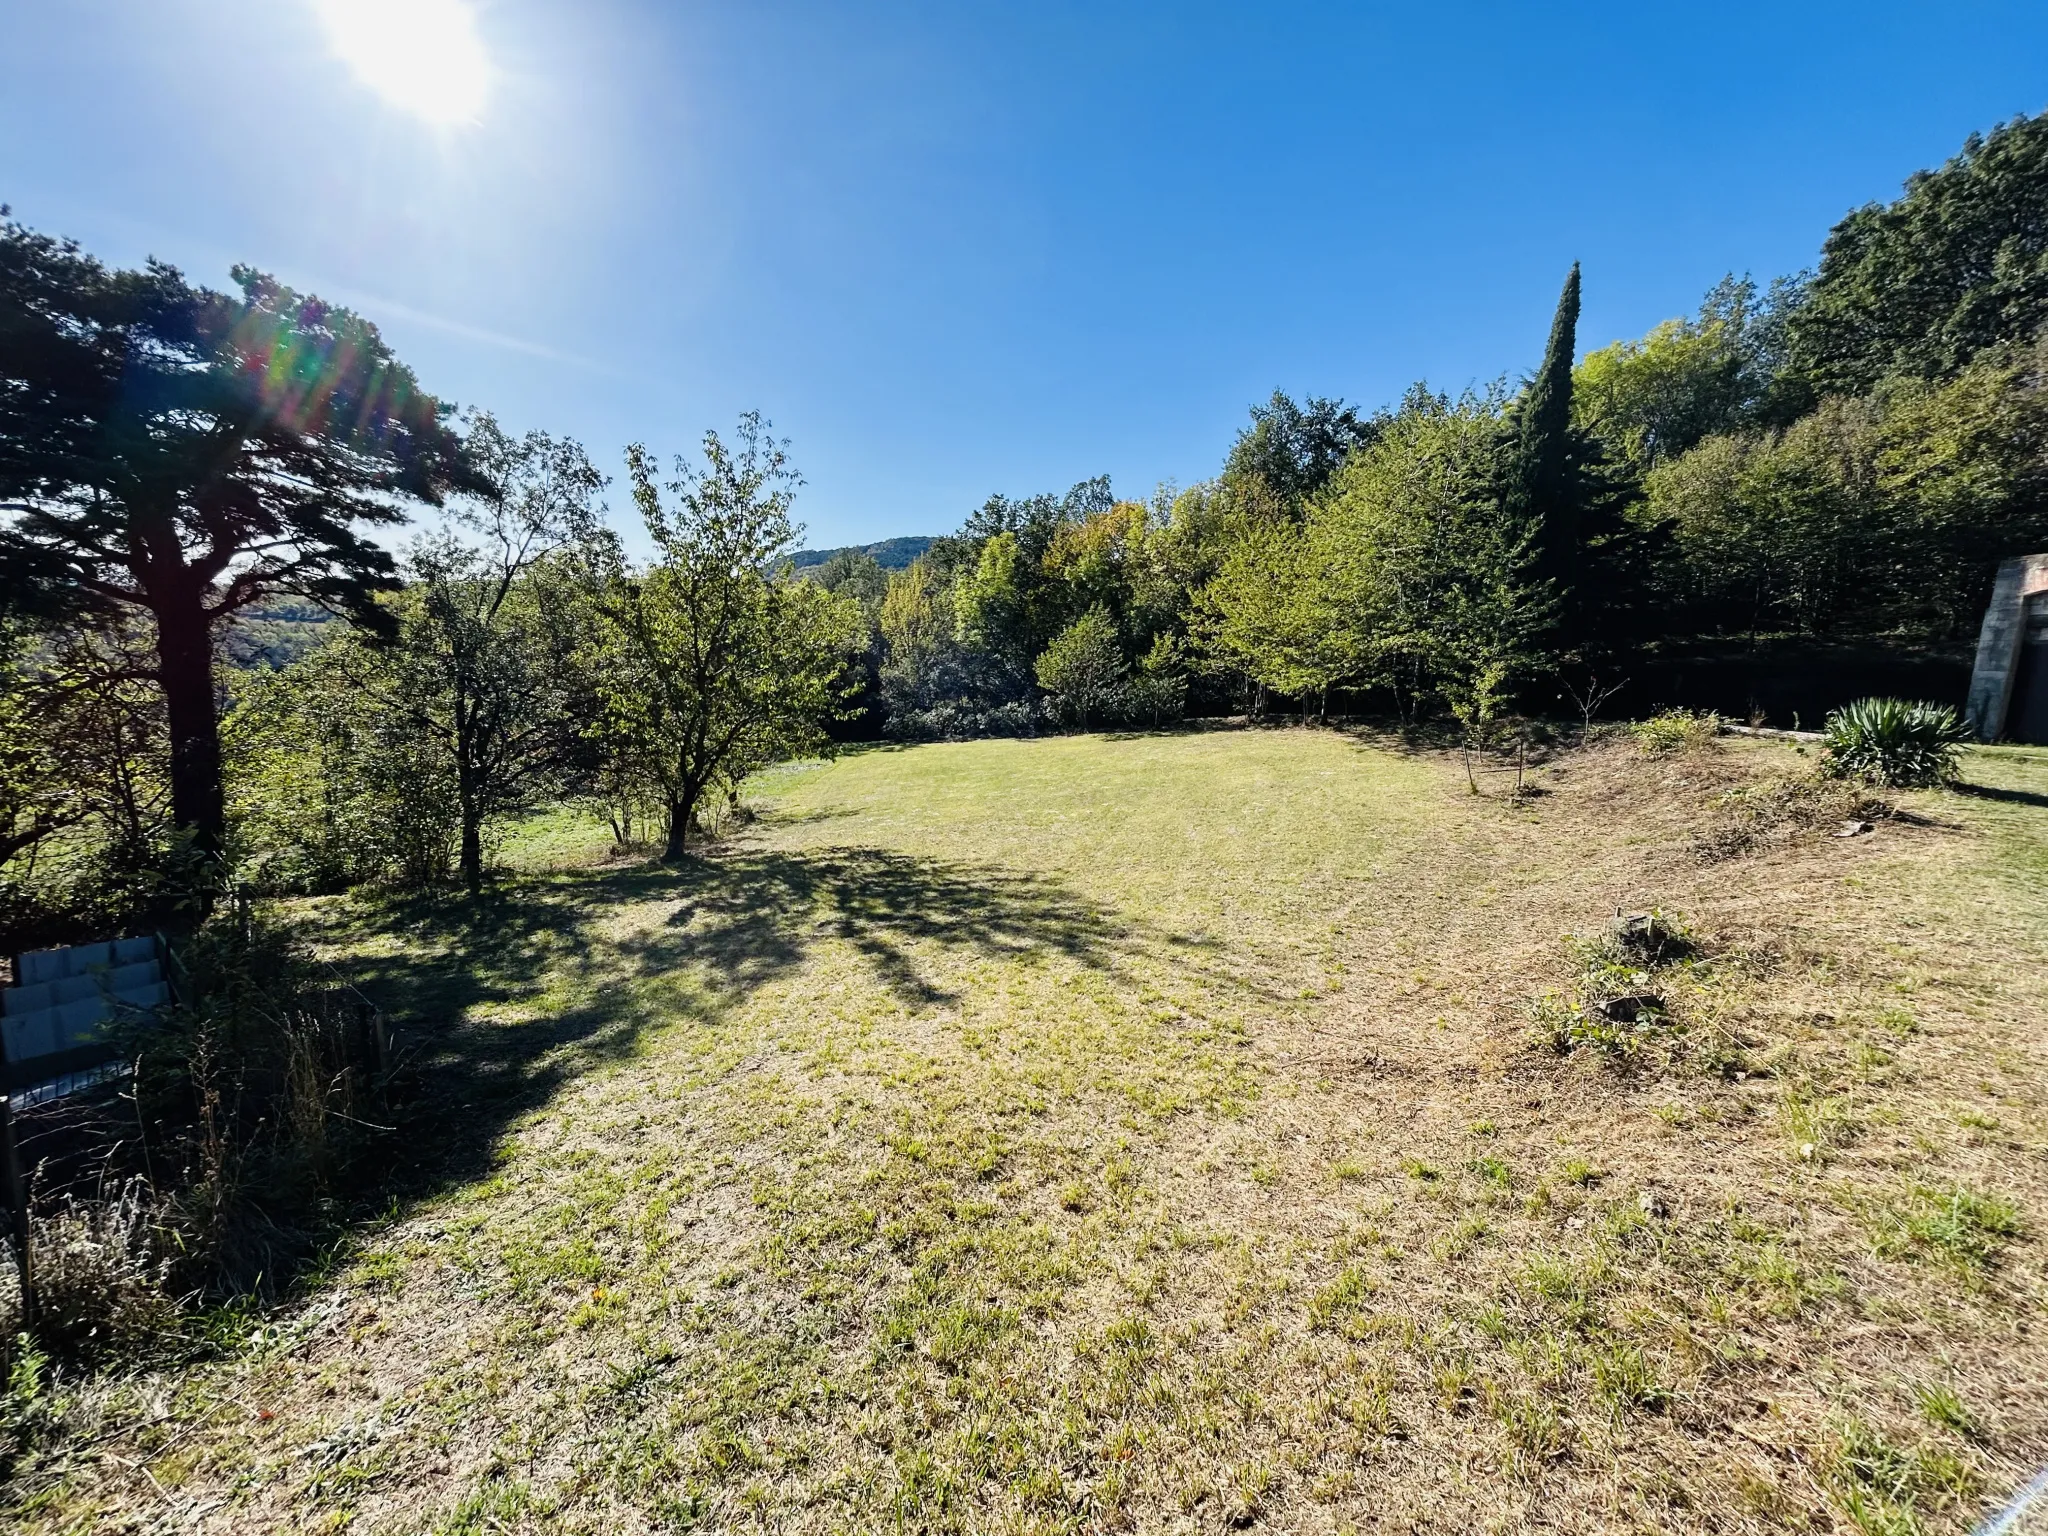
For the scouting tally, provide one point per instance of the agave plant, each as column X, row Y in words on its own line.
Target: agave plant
column 1893, row 742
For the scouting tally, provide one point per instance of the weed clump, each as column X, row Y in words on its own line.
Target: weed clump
column 250, row 1105
column 102, row 1275
column 1963, row 1228
column 1882, row 1485
column 1676, row 730
column 1564, row 1025
column 1944, row 1408
column 1770, row 810
column 1653, row 937
column 1624, row 1379
column 1612, row 1005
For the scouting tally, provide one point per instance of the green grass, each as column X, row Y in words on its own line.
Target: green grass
column 569, row 837
column 1093, row 1133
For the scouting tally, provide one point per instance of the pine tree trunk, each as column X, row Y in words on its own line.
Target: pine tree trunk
column 184, row 648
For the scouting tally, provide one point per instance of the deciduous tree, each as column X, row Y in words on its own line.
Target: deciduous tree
column 1084, row 667
column 481, row 663
column 1277, row 611
column 1921, row 285
column 713, row 664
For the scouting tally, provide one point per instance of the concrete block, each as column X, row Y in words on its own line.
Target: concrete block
column 137, row 973
column 68, row 996
column 81, row 1022
column 2000, row 641
column 56, row 964
column 30, row 1035
column 142, row 997
column 16, row 1001
column 69, row 989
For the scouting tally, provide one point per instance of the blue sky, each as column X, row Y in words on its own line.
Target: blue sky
column 956, row 249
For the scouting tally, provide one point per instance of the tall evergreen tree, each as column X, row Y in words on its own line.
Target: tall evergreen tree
column 1587, row 562
column 1541, row 486
column 177, row 455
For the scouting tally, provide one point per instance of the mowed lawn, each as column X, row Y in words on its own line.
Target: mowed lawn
column 1169, row 1133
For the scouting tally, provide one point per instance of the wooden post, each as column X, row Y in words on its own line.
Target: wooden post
column 17, row 1186
column 17, row 1206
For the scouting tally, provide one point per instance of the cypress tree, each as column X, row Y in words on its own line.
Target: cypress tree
column 1542, row 490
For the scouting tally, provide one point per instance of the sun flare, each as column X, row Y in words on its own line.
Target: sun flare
column 423, row 56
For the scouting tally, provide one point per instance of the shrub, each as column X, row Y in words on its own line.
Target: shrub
column 1894, row 743
column 1153, row 698
column 964, row 719
column 101, row 1272
column 1676, row 730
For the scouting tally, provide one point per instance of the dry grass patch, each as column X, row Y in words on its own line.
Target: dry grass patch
column 1150, row 1133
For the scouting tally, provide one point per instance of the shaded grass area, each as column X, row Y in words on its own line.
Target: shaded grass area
column 541, row 982
column 1089, row 1134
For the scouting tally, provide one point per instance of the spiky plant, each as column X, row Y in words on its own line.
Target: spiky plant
column 1894, row 742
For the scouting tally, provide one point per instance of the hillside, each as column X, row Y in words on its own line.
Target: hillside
column 890, row 554
column 274, row 633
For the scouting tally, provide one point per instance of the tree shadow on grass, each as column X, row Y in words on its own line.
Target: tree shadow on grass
column 755, row 915
column 2005, row 796
column 467, row 985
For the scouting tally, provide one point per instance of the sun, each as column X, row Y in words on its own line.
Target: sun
column 420, row 55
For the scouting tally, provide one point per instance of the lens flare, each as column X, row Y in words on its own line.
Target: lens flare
column 423, row 56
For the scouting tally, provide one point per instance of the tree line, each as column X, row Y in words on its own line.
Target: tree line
column 1841, row 455
column 189, row 475
column 173, row 459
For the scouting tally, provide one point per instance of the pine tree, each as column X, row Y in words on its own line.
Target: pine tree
column 178, row 455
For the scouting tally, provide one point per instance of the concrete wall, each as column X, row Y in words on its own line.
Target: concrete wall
column 57, row 1013
column 2001, row 641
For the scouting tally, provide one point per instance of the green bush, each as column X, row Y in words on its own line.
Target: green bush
column 1893, row 742
column 1083, row 669
column 1676, row 730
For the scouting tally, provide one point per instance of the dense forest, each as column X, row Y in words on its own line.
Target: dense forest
column 231, row 647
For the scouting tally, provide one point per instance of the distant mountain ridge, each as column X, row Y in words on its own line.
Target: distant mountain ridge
column 890, row 554
column 274, row 633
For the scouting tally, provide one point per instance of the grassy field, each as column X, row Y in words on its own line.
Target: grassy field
column 1177, row 1133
